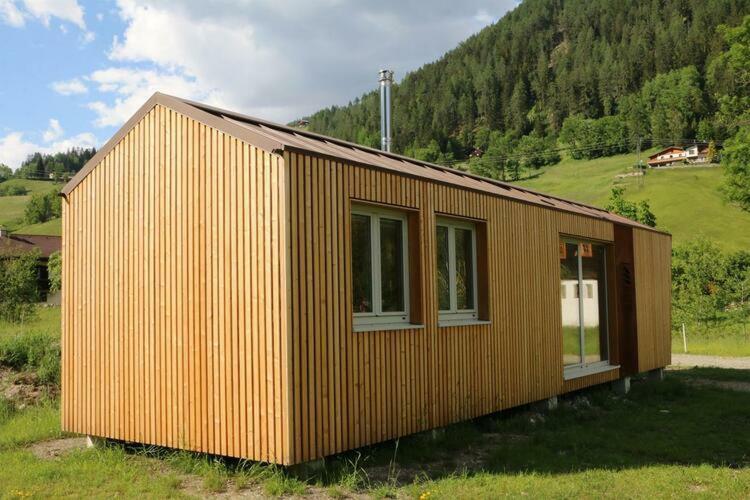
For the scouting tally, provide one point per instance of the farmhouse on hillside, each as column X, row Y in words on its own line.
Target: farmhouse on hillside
column 12, row 244
column 675, row 155
column 247, row 289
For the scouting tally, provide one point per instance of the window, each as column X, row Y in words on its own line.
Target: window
column 456, row 270
column 583, row 265
column 380, row 275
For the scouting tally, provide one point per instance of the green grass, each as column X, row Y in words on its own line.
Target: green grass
column 38, row 423
column 12, row 211
column 46, row 320
column 668, row 439
column 83, row 474
column 687, row 202
column 12, row 207
column 34, row 186
column 52, row 227
column 714, row 346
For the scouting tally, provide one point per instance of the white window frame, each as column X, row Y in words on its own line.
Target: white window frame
column 583, row 368
column 377, row 319
column 454, row 315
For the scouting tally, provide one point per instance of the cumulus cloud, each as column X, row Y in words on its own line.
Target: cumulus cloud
column 132, row 88
column 15, row 12
column 10, row 14
column 277, row 60
column 67, row 10
column 54, row 132
column 14, row 148
column 69, row 87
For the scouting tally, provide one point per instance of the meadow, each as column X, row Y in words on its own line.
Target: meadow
column 687, row 202
column 12, row 207
column 680, row 437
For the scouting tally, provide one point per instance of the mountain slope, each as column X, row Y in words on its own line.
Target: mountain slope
column 687, row 201
column 542, row 62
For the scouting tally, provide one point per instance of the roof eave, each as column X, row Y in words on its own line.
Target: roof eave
column 183, row 107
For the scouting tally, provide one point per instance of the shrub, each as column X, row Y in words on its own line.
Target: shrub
column 12, row 190
column 54, row 270
column 33, row 351
column 18, row 286
column 43, row 207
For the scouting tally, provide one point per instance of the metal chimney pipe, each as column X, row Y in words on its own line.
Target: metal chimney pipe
column 386, row 79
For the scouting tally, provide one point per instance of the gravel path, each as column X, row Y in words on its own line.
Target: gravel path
column 684, row 360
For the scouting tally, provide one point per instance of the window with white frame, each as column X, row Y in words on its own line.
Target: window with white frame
column 380, row 274
column 456, row 270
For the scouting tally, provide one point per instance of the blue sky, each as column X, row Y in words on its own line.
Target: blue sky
column 74, row 71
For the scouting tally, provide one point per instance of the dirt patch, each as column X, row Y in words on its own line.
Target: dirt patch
column 47, row 450
column 24, row 388
column 732, row 385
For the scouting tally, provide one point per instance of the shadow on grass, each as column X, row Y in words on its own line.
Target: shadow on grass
column 658, row 423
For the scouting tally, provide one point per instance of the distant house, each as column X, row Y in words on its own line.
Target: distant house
column 14, row 244
column 694, row 153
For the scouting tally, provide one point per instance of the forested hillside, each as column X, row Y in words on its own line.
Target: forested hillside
column 58, row 166
column 651, row 65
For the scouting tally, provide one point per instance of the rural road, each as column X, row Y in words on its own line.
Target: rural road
column 716, row 361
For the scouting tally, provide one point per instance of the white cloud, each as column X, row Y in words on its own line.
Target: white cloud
column 67, row 10
column 132, row 88
column 278, row 60
column 10, row 14
column 14, row 149
column 69, row 87
column 43, row 10
column 54, row 132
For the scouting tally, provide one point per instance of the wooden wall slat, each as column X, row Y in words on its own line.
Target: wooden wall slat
column 207, row 302
column 399, row 382
column 652, row 253
column 163, row 245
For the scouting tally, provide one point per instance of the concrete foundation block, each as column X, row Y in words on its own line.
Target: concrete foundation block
column 545, row 404
column 94, row 442
column 621, row 386
column 656, row 375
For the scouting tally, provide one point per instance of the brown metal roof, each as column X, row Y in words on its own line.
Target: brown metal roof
column 19, row 243
column 274, row 137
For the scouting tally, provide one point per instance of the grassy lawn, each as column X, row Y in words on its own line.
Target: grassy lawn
column 669, row 439
column 687, row 202
column 12, row 211
column 12, row 207
column 664, row 440
column 52, row 227
column 715, row 346
column 46, row 320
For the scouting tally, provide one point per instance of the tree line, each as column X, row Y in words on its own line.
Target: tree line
column 57, row 166
column 593, row 78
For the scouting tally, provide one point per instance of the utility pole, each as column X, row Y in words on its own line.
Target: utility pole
column 640, row 166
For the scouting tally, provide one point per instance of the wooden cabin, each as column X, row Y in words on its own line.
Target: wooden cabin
column 242, row 288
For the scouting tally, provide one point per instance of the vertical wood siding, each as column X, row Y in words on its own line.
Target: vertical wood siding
column 175, row 289
column 652, row 254
column 207, row 302
column 355, row 388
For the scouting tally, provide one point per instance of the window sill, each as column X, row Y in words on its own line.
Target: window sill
column 462, row 322
column 578, row 372
column 387, row 327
